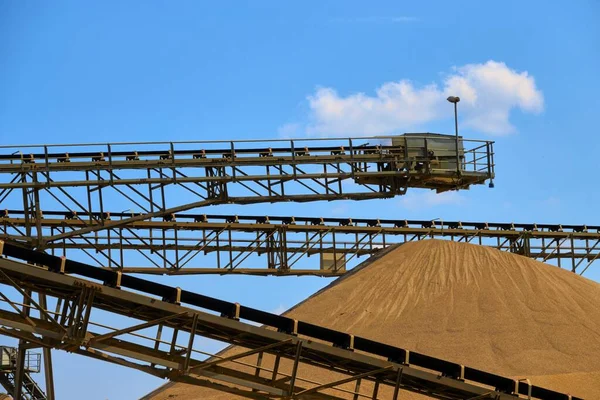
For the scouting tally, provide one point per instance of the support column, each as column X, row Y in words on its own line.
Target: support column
column 20, row 367
column 20, row 370
column 47, row 353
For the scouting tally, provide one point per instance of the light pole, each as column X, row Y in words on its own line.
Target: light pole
column 455, row 100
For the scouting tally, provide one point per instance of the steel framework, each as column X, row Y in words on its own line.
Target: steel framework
column 16, row 366
column 262, row 245
column 70, row 327
column 62, row 198
column 160, row 179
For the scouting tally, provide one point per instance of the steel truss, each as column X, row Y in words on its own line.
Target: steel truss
column 70, row 327
column 159, row 179
column 261, row 245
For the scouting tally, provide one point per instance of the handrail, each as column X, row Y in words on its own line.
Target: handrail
column 315, row 139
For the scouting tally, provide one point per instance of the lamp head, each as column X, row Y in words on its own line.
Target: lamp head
column 453, row 99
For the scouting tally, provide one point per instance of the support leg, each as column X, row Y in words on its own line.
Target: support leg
column 47, row 352
column 20, row 370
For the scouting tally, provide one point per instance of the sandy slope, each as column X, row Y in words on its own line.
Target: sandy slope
column 465, row 303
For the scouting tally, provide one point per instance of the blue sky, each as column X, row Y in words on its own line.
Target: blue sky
column 189, row 70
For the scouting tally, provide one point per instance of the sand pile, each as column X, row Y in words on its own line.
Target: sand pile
column 469, row 304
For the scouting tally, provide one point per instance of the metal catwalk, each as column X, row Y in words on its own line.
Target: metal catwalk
column 70, row 327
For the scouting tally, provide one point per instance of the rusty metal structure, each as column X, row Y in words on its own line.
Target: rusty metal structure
column 67, row 199
column 16, row 368
column 160, row 180
column 270, row 245
column 75, row 289
column 142, row 208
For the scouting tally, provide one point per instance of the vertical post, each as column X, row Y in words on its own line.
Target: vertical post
column 37, row 210
column 456, row 137
column 173, row 163
column 488, row 147
column 157, row 341
column 426, row 156
column 397, row 386
column 293, row 159
column 295, row 368
column 121, row 252
column 173, row 341
column 188, row 356
column 375, row 390
column 20, row 370
column 335, row 263
column 283, row 256
column 232, row 161
column 351, row 157
column 454, row 100
column 20, row 367
column 110, row 165
column 47, row 352
column 88, row 190
column 275, row 368
column 356, row 390
column 26, row 207
column 46, row 165
column 258, row 364
column 230, row 245
column 258, row 367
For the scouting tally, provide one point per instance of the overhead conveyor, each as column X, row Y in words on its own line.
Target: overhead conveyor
column 79, row 289
column 189, row 243
column 160, row 179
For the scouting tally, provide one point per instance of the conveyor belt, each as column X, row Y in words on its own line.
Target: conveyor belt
column 439, row 378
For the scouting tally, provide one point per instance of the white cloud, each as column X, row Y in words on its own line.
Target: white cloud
column 488, row 92
column 418, row 200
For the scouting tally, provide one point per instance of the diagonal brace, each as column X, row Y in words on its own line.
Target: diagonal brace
column 241, row 355
column 342, row 381
column 134, row 328
column 30, row 299
column 127, row 221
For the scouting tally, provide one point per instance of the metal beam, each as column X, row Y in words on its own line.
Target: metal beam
column 134, row 328
column 209, row 364
column 342, row 381
column 116, row 224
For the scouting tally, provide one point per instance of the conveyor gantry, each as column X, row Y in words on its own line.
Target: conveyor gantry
column 161, row 179
column 384, row 370
column 190, row 243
